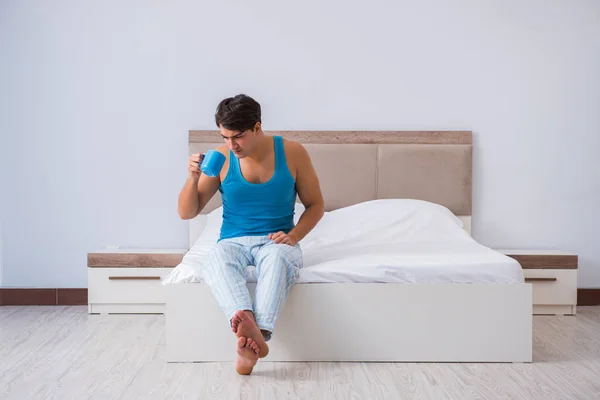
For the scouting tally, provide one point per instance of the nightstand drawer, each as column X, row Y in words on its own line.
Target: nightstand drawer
column 126, row 285
column 553, row 286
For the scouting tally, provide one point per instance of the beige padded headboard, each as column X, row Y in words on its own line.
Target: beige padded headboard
column 358, row 166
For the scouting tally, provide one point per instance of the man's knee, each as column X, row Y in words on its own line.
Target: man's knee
column 223, row 260
column 281, row 257
column 281, row 252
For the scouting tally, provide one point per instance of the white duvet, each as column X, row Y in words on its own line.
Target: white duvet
column 385, row 241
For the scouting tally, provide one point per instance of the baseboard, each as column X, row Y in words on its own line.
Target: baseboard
column 588, row 297
column 43, row 297
column 79, row 297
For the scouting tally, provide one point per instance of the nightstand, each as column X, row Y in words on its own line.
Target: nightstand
column 553, row 275
column 128, row 281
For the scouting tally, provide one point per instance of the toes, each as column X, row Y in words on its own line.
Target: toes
column 252, row 344
column 241, row 342
column 235, row 321
column 240, row 314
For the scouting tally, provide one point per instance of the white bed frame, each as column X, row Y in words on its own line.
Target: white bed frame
column 380, row 322
column 365, row 322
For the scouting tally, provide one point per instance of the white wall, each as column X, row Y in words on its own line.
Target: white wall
column 97, row 100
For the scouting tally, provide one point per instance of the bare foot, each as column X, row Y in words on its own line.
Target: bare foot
column 247, row 350
column 247, row 328
column 235, row 321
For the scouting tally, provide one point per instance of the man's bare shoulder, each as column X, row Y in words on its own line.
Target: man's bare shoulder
column 294, row 149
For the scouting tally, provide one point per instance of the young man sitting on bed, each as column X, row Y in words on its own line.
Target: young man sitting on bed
column 258, row 184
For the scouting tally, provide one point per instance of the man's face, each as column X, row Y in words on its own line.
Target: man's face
column 241, row 143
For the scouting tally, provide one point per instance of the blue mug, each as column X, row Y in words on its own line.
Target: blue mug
column 212, row 163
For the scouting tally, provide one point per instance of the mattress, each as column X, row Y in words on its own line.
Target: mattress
column 418, row 263
column 382, row 241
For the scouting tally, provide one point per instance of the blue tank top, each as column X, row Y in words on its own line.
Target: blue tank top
column 257, row 209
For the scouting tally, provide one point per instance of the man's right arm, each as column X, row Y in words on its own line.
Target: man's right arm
column 197, row 190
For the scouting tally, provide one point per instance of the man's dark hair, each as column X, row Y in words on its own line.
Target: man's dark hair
column 238, row 113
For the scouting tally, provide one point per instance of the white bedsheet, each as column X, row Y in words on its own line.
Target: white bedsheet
column 386, row 241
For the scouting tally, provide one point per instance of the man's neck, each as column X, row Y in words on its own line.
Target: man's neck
column 262, row 150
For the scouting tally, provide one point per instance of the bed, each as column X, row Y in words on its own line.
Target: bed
column 391, row 273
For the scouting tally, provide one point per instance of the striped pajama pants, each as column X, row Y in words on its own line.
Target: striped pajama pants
column 277, row 267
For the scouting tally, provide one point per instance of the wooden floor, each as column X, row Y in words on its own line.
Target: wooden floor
column 64, row 353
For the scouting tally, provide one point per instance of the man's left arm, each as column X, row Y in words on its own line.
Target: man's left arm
column 309, row 192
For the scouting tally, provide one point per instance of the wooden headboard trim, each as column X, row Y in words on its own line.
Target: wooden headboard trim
column 358, row 137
